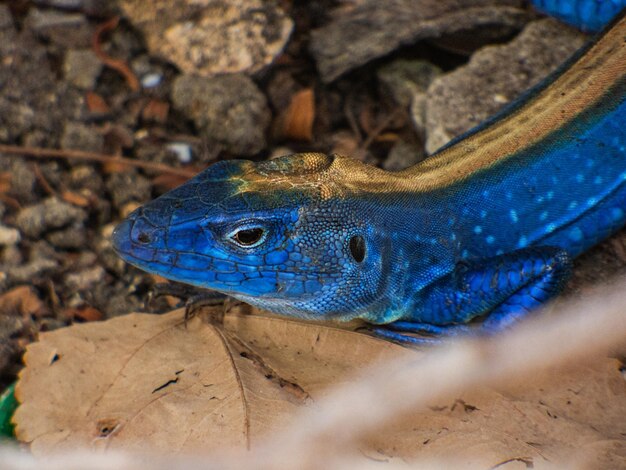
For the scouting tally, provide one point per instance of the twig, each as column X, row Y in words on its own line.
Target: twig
column 42, row 180
column 38, row 152
column 116, row 64
column 378, row 130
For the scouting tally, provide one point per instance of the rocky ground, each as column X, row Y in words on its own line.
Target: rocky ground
column 182, row 86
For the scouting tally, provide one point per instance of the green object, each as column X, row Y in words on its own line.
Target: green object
column 8, row 405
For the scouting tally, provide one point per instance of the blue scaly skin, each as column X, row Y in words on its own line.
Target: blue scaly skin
column 587, row 15
column 486, row 228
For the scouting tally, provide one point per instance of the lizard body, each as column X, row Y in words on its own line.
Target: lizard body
column 486, row 227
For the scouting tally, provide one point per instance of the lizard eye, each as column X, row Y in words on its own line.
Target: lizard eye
column 249, row 237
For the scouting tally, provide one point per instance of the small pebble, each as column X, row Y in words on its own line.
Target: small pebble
column 52, row 213
column 31, row 270
column 151, row 80
column 77, row 136
column 403, row 155
column 81, row 68
column 212, row 37
column 182, row 151
column 9, row 235
column 70, row 238
column 65, row 29
column 127, row 187
column 86, row 278
column 403, row 79
column 229, row 110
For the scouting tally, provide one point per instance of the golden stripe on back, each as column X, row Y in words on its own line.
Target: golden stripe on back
column 583, row 84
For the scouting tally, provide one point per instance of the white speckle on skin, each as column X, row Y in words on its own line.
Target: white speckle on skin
column 617, row 213
column 575, row 234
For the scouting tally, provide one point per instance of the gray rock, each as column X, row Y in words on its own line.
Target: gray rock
column 212, row 37
column 69, row 238
column 82, row 67
column 403, row 155
column 23, row 181
column 9, row 235
column 229, row 110
column 48, row 215
column 10, row 327
column 116, row 303
column 77, row 136
column 85, row 278
column 29, row 271
column 373, row 28
column 91, row 7
column 151, row 74
column 403, row 79
column 65, row 29
column 128, row 187
column 494, row 77
column 86, row 179
column 20, row 122
column 32, row 100
column 418, row 113
column 11, row 255
column 6, row 19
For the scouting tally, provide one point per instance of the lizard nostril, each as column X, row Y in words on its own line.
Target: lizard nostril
column 143, row 237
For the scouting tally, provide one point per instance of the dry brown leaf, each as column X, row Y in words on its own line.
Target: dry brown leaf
column 156, row 110
column 5, row 182
column 23, row 301
column 75, row 198
column 297, row 121
column 145, row 382
column 96, row 103
column 86, row 313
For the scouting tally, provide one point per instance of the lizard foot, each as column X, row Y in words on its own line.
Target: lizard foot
column 193, row 298
column 393, row 332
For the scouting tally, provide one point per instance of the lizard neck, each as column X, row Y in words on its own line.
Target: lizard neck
column 595, row 81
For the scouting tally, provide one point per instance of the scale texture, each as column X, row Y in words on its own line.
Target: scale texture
column 485, row 228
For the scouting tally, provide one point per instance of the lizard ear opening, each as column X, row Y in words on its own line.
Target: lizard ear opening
column 357, row 248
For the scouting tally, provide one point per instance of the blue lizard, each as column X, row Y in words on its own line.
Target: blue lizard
column 587, row 15
column 484, row 229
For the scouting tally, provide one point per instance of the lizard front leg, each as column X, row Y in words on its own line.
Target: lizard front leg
column 502, row 289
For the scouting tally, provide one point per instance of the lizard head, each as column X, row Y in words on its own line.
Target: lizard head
column 282, row 234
